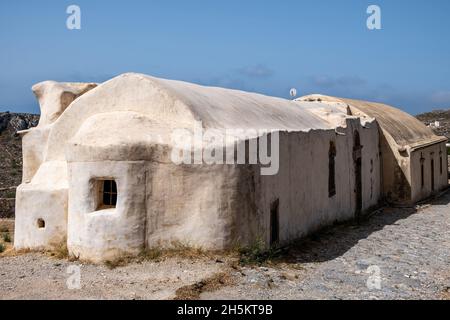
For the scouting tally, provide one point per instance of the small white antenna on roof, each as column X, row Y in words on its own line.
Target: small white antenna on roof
column 293, row 92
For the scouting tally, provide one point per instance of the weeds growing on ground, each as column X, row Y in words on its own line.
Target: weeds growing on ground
column 213, row 283
column 258, row 254
column 151, row 254
column 119, row 262
column 15, row 165
column 11, row 194
column 6, row 237
column 177, row 249
column 60, row 251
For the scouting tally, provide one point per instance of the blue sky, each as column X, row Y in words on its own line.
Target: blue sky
column 320, row 46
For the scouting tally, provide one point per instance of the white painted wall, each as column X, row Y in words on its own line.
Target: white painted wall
column 210, row 206
column 302, row 184
column 45, row 197
column 438, row 153
column 99, row 235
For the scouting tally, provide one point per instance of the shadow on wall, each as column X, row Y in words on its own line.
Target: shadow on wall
column 335, row 241
column 396, row 186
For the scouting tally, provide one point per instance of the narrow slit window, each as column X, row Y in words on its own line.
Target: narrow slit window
column 108, row 194
column 441, row 169
column 432, row 174
column 422, row 173
column 332, row 170
column 274, row 222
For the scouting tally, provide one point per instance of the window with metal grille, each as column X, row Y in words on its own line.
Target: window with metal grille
column 108, row 194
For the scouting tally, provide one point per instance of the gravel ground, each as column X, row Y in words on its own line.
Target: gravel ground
column 36, row 276
column 408, row 248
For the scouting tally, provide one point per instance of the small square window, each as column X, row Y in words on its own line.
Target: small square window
column 107, row 194
column 41, row 223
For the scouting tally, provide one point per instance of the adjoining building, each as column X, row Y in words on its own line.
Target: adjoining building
column 414, row 159
column 101, row 175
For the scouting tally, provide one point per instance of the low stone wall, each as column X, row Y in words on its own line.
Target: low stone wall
column 7, row 202
column 7, row 208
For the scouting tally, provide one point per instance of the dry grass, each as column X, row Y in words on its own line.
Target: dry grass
column 254, row 255
column 11, row 252
column 177, row 249
column 193, row 291
column 446, row 294
column 7, row 226
column 120, row 262
column 5, row 237
column 59, row 251
column 257, row 254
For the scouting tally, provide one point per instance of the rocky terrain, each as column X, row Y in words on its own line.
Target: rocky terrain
column 11, row 157
column 442, row 116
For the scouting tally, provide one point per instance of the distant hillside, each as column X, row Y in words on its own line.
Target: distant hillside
column 11, row 156
column 442, row 116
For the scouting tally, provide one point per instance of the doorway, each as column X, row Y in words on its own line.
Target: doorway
column 274, row 222
column 432, row 174
column 357, row 159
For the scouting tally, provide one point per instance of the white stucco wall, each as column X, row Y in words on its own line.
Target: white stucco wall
column 302, row 183
column 45, row 198
column 438, row 153
column 98, row 235
column 120, row 131
column 194, row 205
column 159, row 204
column 34, row 144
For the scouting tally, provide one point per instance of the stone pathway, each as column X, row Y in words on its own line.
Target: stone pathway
column 397, row 254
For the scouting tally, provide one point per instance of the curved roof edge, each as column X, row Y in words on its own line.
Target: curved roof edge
column 181, row 104
column 222, row 108
column 404, row 129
